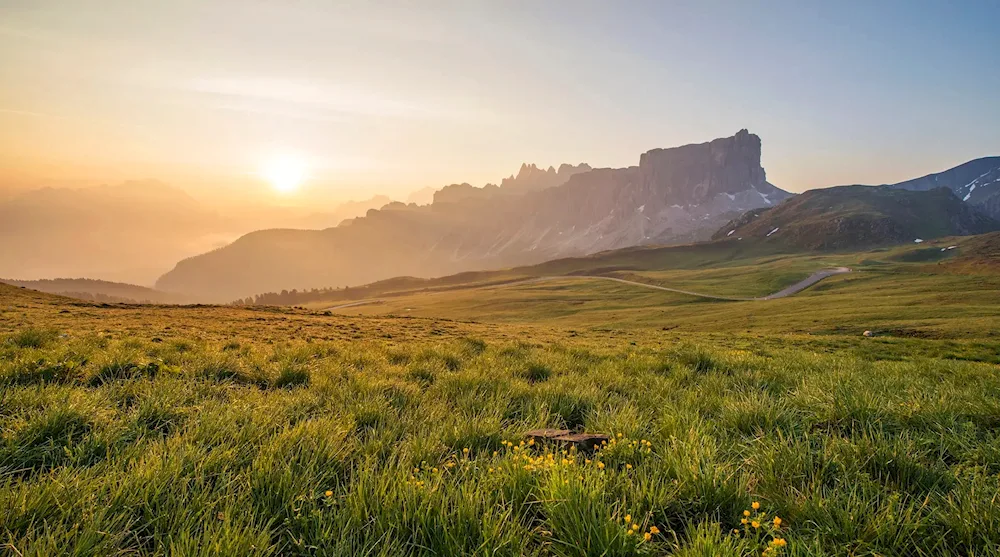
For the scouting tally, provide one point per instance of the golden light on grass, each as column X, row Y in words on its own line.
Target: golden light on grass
column 285, row 172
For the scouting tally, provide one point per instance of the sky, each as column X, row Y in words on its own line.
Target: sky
column 389, row 97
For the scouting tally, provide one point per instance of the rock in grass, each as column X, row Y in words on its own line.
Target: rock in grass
column 546, row 434
column 582, row 441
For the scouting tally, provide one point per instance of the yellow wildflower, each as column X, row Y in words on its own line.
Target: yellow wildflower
column 328, row 493
column 780, row 542
column 743, row 521
column 628, row 466
column 755, row 505
column 746, row 513
column 755, row 524
column 777, row 522
column 600, row 465
column 654, row 530
column 647, row 536
column 629, row 532
column 628, row 518
column 531, row 442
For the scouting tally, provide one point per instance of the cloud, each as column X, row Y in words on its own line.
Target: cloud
column 310, row 99
column 27, row 113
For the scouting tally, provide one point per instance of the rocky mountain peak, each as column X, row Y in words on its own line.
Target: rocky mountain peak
column 692, row 174
column 674, row 195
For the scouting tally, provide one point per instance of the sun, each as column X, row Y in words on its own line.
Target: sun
column 285, row 172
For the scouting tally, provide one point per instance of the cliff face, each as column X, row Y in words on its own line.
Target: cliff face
column 694, row 174
column 674, row 195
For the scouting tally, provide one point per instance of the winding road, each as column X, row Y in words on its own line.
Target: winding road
column 788, row 291
column 353, row 304
column 785, row 292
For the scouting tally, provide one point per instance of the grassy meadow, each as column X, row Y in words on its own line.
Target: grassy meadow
column 914, row 291
column 738, row 428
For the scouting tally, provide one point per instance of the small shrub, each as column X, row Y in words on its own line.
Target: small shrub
column 451, row 362
column 474, row 346
column 536, row 373
column 46, row 442
column 45, row 371
column 32, row 338
column 158, row 417
column 398, row 358
column 226, row 367
column 122, row 369
column 698, row 359
column 421, row 374
column 292, row 376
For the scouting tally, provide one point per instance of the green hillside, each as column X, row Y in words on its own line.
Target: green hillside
column 858, row 217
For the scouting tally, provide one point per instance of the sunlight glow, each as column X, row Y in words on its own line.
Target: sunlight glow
column 285, row 173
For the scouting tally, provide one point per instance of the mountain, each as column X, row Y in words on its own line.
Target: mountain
column 976, row 182
column 99, row 290
column 342, row 212
column 135, row 231
column 127, row 232
column 845, row 217
column 531, row 178
column 528, row 179
column 673, row 195
column 423, row 196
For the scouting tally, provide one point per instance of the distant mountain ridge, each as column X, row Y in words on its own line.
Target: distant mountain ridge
column 132, row 232
column 99, row 291
column 849, row 217
column 529, row 179
column 976, row 182
column 674, row 195
column 962, row 200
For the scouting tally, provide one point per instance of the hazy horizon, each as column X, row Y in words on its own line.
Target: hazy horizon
column 389, row 98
